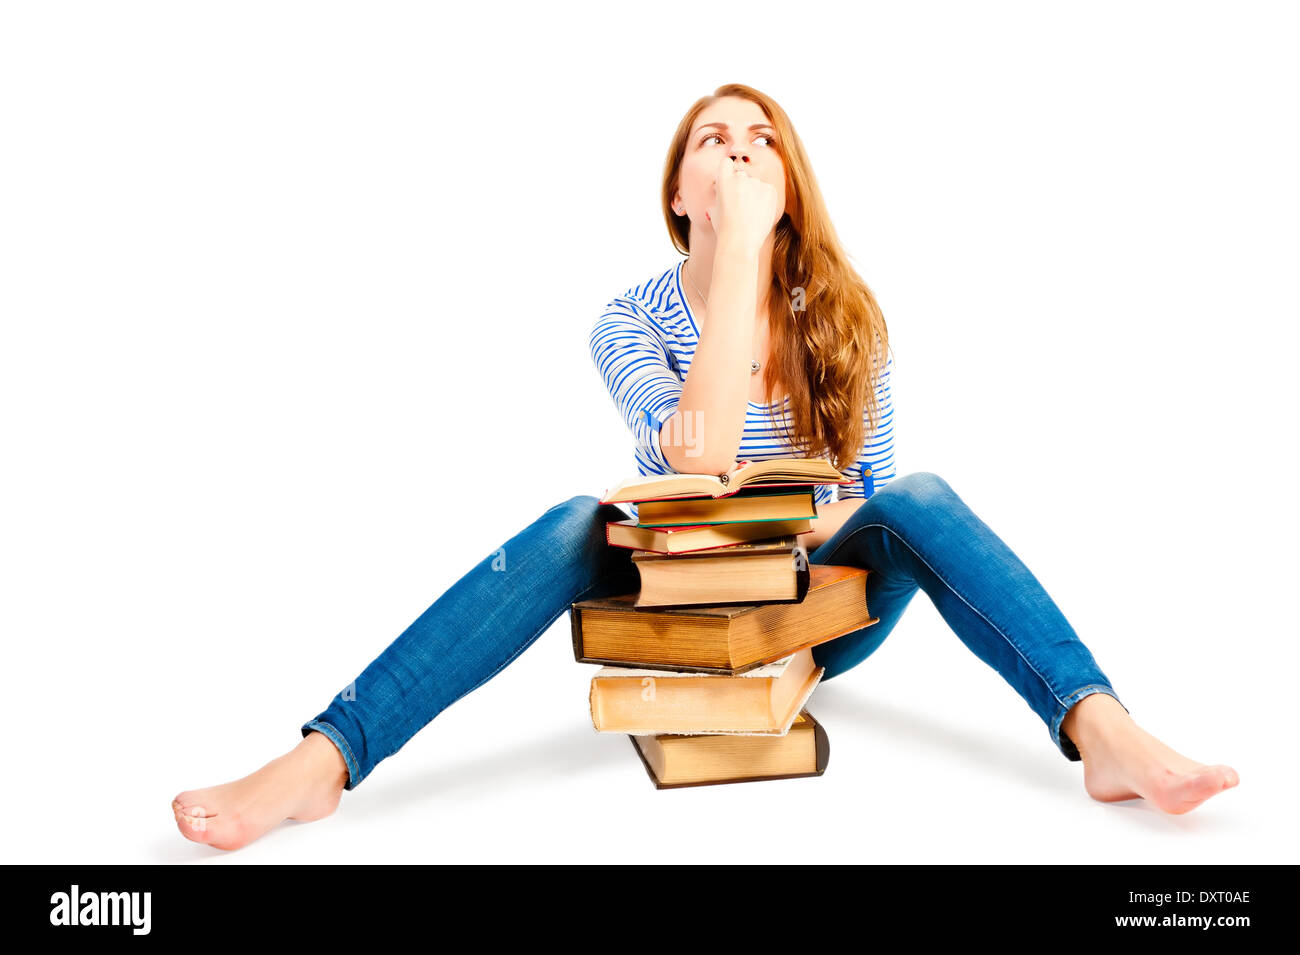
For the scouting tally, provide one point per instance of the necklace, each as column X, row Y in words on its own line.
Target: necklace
column 754, row 363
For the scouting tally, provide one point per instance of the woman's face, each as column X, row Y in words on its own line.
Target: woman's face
column 729, row 127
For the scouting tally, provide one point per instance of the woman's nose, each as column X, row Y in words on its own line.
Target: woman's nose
column 739, row 157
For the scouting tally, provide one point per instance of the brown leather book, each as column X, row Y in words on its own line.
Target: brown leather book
column 674, row 761
column 720, row 639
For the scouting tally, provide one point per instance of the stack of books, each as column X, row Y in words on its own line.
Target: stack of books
column 708, row 666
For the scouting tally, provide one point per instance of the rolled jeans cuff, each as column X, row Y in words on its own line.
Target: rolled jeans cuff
column 1062, row 741
column 328, row 730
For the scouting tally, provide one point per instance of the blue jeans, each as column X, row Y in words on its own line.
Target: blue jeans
column 914, row 533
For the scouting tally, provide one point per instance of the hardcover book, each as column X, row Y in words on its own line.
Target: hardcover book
column 794, row 504
column 720, row 639
column 697, row 537
column 674, row 761
column 762, row 701
column 763, row 571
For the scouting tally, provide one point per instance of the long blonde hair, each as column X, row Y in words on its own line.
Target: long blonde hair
column 829, row 355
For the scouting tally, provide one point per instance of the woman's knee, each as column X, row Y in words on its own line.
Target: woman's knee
column 906, row 499
column 579, row 515
column 917, row 484
column 918, row 487
column 577, row 508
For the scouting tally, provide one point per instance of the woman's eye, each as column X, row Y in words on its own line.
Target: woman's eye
column 718, row 136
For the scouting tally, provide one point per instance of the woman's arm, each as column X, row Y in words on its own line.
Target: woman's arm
column 703, row 435
column 830, row 518
column 632, row 360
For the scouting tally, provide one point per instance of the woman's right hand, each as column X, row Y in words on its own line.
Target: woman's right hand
column 745, row 208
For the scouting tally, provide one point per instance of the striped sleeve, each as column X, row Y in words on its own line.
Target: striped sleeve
column 875, row 465
column 635, row 365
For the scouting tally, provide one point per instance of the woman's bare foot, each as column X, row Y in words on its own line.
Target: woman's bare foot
column 1123, row 761
column 305, row 783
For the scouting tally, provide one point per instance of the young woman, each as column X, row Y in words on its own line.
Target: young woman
column 766, row 288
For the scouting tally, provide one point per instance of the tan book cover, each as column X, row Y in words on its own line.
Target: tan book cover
column 779, row 505
column 762, row 701
column 674, row 761
column 754, row 572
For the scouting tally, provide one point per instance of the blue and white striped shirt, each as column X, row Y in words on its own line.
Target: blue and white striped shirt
column 643, row 346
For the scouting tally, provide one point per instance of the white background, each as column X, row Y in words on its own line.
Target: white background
column 296, row 299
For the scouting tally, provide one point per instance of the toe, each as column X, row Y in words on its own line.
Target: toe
column 1195, row 788
column 183, row 800
column 193, row 827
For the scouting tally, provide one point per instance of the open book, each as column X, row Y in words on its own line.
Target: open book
column 778, row 472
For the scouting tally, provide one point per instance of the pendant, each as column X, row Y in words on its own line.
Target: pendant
column 754, row 366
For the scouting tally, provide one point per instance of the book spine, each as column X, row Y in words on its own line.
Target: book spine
column 803, row 577
column 723, row 603
column 823, row 743
column 575, row 621
column 823, row 757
